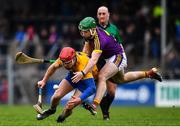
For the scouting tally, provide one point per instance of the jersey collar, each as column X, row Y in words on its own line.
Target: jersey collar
column 102, row 26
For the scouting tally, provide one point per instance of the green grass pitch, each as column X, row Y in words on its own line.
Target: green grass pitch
column 120, row 116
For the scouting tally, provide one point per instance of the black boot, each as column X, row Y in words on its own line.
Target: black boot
column 64, row 115
column 45, row 114
column 106, row 116
column 89, row 107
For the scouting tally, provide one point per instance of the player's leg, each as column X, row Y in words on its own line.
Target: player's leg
column 109, row 70
column 87, row 88
column 105, row 102
column 153, row 74
column 67, row 111
column 85, row 103
column 111, row 88
column 89, row 107
column 63, row 89
column 136, row 75
column 127, row 77
column 108, row 99
column 113, row 65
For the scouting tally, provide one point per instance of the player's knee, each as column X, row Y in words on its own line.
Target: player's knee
column 101, row 77
column 111, row 88
column 111, row 91
column 56, row 97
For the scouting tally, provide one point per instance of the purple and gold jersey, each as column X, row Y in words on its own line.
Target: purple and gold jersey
column 105, row 43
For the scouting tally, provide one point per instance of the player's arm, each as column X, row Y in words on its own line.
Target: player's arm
column 86, row 48
column 91, row 63
column 88, row 92
column 91, row 89
column 50, row 71
column 93, row 60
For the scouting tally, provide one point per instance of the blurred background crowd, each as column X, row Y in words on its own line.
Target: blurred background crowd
column 40, row 28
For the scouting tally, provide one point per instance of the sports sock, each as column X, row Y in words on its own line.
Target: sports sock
column 110, row 100
column 104, row 104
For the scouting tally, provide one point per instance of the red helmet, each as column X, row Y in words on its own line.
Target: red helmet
column 67, row 54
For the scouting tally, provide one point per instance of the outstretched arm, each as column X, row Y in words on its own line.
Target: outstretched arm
column 93, row 61
column 50, row 71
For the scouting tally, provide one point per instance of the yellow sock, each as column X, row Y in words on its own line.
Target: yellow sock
column 145, row 74
column 96, row 102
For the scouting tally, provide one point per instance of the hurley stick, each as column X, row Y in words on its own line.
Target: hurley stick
column 38, row 106
column 22, row 58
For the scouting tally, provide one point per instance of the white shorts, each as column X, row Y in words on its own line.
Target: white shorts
column 120, row 60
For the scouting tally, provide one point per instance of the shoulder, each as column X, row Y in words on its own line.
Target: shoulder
column 78, row 53
column 102, row 32
column 82, row 56
column 113, row 26
column 57, row 63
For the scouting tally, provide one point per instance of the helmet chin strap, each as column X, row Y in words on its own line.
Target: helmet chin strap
column 92, row 32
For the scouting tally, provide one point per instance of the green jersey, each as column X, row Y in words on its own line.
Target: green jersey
column 113, row 30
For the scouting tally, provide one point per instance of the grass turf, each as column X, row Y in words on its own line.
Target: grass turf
column 21, row 115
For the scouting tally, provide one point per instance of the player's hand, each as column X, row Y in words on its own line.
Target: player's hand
column 77, row 77
column 41, row 84
column 75, row 101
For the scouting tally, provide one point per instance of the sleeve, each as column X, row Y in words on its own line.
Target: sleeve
column 118, row 36
column 58, row 63
column 89, row 91
column 97, row 44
